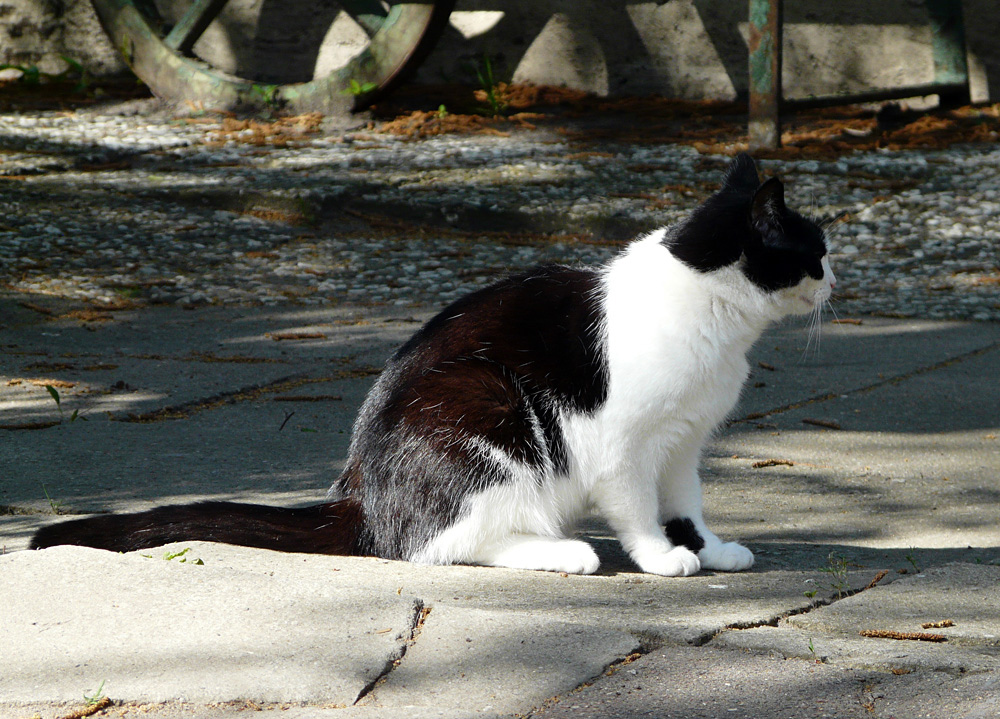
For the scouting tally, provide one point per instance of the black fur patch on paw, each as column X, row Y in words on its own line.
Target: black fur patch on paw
column 681, row 532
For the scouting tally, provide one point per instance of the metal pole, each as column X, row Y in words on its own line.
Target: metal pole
column 765, row 74
column 948, row 44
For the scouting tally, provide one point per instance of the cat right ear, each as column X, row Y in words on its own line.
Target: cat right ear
column 741, row 175
column 767, row 209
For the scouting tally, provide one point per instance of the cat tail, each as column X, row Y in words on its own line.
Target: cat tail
column 331, row 528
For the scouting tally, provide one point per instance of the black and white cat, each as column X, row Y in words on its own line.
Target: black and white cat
column 547, row 396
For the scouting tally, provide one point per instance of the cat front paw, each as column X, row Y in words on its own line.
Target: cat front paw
column 726, row 557
column 677, row 562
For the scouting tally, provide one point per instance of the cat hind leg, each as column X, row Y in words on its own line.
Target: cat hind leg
column 543, row 553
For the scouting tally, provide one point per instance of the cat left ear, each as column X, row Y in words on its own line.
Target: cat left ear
column 742, row 174
column 767, row 208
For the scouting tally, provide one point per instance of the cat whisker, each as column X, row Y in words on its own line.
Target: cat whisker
column 833, row 310
column 814, row 331
column 827, row 223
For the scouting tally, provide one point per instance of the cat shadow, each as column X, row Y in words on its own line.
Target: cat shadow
column 800, row 556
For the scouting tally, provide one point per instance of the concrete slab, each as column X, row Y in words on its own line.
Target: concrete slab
column 881, row 655
column 801, row 366
column 138, row 363
column 710, row 683
column 914, row 464
column 908, row 484
column 495, row 662
column 259, row 445
column 155, row 630
column 961, row 593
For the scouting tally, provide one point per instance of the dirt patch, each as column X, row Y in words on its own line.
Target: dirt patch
column 281, row 132
column 712, row 126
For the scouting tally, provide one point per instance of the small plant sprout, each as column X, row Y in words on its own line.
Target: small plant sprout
column 442, row 111
column 913, row 562
column 96, row 697
column 492, row 92
column 838, row 573
column 356, row 88
column 812, row 649
column 54, row 393
column 76, row 69
column 268, row 94
column 56, row 507
column 31, row 75
column 170, row 556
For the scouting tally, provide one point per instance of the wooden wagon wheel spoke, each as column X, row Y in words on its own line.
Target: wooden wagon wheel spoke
column 194, row 22
column 369, row 14
column 399, row 34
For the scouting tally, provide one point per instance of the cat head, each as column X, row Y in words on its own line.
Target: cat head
column 746, row 225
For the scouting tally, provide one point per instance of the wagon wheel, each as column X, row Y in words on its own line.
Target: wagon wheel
column 399, row 36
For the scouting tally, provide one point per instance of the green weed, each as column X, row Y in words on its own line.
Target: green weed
column 31, row 75
column 490, row 91
column 54, row 393
column 357, row 89
column 170, row 556
column 837, row 570
column 97, row 696
column 56, row 507
column 267, row 94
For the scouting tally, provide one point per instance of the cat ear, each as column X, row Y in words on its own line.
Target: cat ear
column 767, row 208
column 742, row 174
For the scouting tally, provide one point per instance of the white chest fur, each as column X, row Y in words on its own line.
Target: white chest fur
column 676, row 344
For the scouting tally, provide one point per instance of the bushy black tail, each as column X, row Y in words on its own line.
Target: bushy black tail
column 332, row 528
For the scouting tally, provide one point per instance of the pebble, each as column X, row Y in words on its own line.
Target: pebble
column 99, row 205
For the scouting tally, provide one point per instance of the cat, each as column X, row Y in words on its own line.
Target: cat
column 562, row 391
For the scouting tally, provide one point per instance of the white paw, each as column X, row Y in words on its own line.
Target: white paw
column 551, row 555
column 573, row 557
column 728, row 557
column 677, row 562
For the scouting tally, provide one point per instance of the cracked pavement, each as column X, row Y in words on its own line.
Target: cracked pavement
column 256, row 404
column 862, row 470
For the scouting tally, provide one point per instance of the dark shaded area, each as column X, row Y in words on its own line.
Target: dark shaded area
column 69, row 95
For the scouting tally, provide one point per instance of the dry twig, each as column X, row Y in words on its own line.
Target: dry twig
column 773, row 463
column 937, row 625
column 89, row 710
column 828, row 423
column 913, row 636
column 878, row 578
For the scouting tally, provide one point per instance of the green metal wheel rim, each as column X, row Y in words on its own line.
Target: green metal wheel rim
column 399, row 42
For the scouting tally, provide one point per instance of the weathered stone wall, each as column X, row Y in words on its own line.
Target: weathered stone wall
column 40, row 32
column 681, row 48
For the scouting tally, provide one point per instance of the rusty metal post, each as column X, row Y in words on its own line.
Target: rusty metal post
column 948, row 43
column 765, row 74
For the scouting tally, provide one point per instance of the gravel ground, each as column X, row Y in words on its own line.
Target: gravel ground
column 118, row 207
